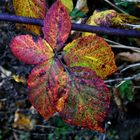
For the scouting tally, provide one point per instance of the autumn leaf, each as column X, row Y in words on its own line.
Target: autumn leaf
column 31, row 8
column 19, row 79
column 127, row 21
column 29, row 51
column 68, row 4
column 22, row 121
column 103, row 18
column 57, row 25
column 88, row 100
column 47, row 85
column 64, row 81
column 111, row 18
column 93, row 52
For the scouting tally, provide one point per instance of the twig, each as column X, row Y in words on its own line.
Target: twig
column 119, row 3
column 123, row 79
column 118, row 45
column 111, row 41
column 114, row 6
column 15, row 136
column 75, row 26
column 135, row 49
column 134, row 26
column 130, row 66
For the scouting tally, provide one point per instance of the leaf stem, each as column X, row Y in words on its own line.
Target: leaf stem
column 75, row 26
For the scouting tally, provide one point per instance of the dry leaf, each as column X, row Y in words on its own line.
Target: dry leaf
column 111, row 18
column 129, row 57
column 22, row 121
column 19, row 79
column 102, row 18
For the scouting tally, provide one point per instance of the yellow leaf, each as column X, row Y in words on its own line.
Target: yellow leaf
column 99, row 17
column 111, row 18
column 30, row 8
column 19, row 79
column 93, row 52
column 125, row 21
column 22, row 121
column 68, row 4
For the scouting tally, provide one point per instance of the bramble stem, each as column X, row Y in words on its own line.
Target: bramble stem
column 75, row 26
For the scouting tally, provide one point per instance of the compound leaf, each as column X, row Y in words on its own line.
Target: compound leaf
column 48, row 87
column 57, row 25
column 26, row 49
column 31, row 8
column 73, row 89
column 88, row 100
column 93, row 52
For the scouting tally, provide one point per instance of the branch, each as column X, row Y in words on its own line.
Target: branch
column 75, row 26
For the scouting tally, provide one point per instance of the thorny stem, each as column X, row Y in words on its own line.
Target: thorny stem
column 75, row 26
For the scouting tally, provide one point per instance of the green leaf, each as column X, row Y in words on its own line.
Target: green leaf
column 125, row 90
column 68, row 4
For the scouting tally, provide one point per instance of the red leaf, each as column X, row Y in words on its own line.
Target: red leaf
column 77, row 92
column 57, row 25
column 48, row 87
column 30, row 51
column 88, row 100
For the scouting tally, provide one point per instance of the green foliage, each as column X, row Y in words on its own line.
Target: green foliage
column 126, row 90
column 76, row 14
column 128, row 6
